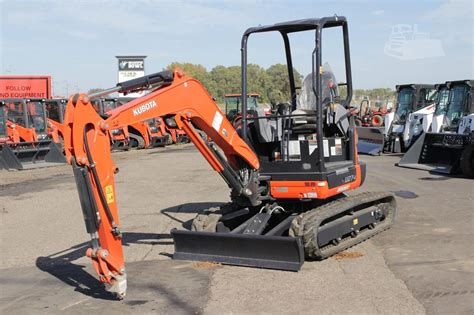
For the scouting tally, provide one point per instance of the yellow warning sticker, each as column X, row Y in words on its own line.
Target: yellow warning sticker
column 355, row 221
column 109, row 192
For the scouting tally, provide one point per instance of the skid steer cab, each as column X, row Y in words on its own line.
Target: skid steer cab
column 26, row 140
column 396, row 135
column 55, row 109
column 448, row 147
column 287, row 172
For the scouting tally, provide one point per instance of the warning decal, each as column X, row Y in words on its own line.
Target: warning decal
column 109, row 193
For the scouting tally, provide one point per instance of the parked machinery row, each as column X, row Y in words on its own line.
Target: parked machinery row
column 26, row 136
column 32, row 131
column 433, row 126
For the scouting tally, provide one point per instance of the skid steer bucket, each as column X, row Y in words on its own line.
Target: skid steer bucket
column 436, row 152
column 370, row 140
column 27, row 155
column 262, row 251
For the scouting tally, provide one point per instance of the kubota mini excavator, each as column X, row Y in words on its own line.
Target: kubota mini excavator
column 29, row 144
column 287, row 176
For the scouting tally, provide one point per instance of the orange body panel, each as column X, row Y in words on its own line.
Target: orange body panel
column 55, row 130
column 310, row 189
column 23, row 134
column 12, row 136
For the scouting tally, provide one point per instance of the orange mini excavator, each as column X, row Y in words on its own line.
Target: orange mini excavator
column 287, row 172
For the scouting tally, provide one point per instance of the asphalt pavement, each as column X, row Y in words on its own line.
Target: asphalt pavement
column 423, row 264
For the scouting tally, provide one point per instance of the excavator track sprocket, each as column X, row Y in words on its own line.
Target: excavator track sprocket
column 309, row 224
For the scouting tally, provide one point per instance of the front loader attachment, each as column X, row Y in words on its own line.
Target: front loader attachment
column 262, row 251
column 436, row 152
column 371, row 140
column 28, row 155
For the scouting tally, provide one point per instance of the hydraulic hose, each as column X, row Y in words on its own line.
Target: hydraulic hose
column 115, row 230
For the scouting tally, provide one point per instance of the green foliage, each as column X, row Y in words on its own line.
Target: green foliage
column 271, row 83
column 375, row 94
column 224, row 80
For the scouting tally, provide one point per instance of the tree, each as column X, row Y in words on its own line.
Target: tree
column 278, row 83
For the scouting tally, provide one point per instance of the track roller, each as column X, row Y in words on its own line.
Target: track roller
column 343, row 223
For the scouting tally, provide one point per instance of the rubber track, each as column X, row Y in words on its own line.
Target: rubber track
column 304, row 224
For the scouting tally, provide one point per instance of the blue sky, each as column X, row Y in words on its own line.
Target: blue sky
column 76, row 41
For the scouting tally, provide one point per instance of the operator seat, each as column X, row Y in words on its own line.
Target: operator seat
column 305, row 105
column 268, row 130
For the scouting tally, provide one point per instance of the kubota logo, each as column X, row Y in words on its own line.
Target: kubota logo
column 145, row 107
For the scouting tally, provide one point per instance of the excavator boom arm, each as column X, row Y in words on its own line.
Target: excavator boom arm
column 87, row 148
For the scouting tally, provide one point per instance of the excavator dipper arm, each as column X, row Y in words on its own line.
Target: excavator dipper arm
column 87, row 148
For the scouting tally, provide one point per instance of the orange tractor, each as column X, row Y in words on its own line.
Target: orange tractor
column 233, row 106
column 287, row 177
column 369, row 116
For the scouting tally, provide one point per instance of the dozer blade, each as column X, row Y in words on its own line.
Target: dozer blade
column 370, row 140
column 262, row 251
column 436, row 152
column 27, row 155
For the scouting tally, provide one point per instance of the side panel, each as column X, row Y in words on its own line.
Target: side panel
column 317, row 189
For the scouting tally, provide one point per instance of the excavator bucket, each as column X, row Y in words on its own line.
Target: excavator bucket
column 27, row 155
column 261, row 251
column 371, row 140
column 436, row 152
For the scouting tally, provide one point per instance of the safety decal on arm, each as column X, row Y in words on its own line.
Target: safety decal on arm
column 109, row 192
column 217, row 121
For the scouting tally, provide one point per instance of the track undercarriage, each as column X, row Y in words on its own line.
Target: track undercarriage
column 278, row 236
